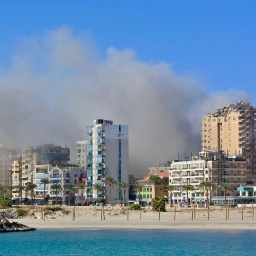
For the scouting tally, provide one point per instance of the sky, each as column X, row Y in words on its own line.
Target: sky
column 157, row 66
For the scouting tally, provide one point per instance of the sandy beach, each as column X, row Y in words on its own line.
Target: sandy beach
column 121, row 218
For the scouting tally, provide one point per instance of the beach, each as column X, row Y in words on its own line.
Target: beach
column 93, row 217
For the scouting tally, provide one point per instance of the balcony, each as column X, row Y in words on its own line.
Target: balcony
column 100, row 130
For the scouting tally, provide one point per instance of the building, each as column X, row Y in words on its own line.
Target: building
column 16, row 176
column 232, row 129
column 150, row 190
column 42, row 155
column 107, row 155
column 192, row 171
column 81, row 154
column 62, row 175
column 215, row 167
column 7, row 156
column 5, row 166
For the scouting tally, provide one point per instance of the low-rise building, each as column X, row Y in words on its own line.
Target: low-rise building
column 151, row 190
column 64, row 175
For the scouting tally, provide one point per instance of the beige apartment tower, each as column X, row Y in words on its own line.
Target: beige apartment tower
column 233, row 130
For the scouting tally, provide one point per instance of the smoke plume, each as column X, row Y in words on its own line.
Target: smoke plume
column 58, row 84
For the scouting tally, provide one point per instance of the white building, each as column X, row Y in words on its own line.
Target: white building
column 107, row 155
column 56, row 175
column 188, row 172
column 81, row 154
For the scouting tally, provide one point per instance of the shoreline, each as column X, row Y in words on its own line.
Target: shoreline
column 116, row 218
column 192, row 225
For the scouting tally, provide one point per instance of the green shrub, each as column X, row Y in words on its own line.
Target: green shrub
column 135, row 207
column 159, row 204
column 53, row 208
column 21, row 212
column 5, row 201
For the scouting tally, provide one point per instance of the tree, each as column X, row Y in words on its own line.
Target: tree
column 44, row 182
column 188, row 187
column 98, row 188
column 111, row 182
column 69, row 188
column 225, row 186
column 31, row 187
column 8, row 190
column 207, row 185
column 156, row 180
column 159, row 204
column 170, row 188
column 123, row 186
column 138, row 188
column 56, row 188
column 82, row 187
column 1, row 191
column 20, row 189
column 5, row 201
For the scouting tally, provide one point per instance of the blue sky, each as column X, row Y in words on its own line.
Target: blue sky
column 158, row 66
column 213, row 41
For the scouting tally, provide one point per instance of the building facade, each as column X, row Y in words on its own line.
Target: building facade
column 232, row 129
column 107, row 155
column 61, row 175
column 150, row 190
column 207, row 166
column 42, row 155
column 81, row 154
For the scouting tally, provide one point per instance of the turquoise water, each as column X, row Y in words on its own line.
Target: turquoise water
column 128, row 242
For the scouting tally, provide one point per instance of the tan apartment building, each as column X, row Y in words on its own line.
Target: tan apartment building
column 16, row 176
column 232, row 129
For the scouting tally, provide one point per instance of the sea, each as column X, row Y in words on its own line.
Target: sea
column 128, row 242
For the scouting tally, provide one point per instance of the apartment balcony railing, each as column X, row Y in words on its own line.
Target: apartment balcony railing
column 100, row 130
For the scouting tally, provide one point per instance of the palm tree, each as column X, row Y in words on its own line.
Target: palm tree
column 44, row 182
column 98, row 188
column 82, row 187
column 170, row 188
column 31, row 187
column 123, row 186
column 138, row 188
column 20, row 189
column 1, row 191
column 207, row 185
column 69, row 188
column 56, row 188
column 111, row 182
column 156, row 180
column 188, row 187
column 8, row 190
column 225, row 186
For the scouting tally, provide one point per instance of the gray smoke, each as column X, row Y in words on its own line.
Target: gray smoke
column 58, row 84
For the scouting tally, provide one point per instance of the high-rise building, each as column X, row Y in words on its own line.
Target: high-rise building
column 81, row 154
column 7, row 156
column 5, row 166
column 107, row 155
column 232, row 129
